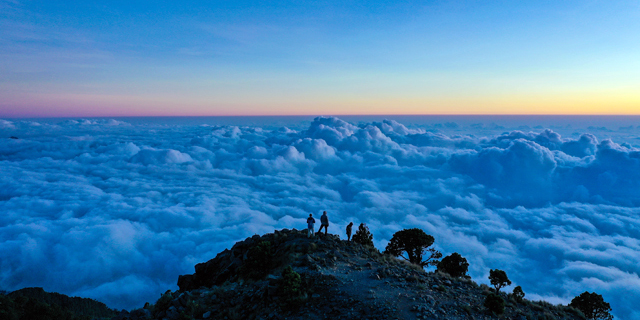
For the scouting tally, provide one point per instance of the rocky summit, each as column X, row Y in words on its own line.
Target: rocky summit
column 287, row 275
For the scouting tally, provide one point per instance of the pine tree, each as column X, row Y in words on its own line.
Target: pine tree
column 363, row 236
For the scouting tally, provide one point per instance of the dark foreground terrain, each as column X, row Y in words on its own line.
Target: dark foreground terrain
column 36, row 304
column 329, row 278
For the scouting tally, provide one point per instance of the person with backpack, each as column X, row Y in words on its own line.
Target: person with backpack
column 324, row 222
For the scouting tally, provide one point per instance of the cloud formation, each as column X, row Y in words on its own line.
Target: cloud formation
column 116, row 211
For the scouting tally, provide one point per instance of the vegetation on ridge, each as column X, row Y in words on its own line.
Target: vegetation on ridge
column 414, row 243
column 363, row 236
column 454, row 264
column 324, row 277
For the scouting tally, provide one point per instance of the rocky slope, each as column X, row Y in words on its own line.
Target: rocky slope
column 337, row 279
column 35, row 303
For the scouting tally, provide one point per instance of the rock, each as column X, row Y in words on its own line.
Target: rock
column 183, row 299
column 172, row 313
column 186, row 282
column 206, row 315
column 140, row 314
column 271, row 277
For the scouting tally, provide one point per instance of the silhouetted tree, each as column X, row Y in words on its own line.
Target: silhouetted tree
column 498, row 279
column 414, row 242
column 592, row 306
column 363, row 236
column 454, row 264
column 518, row 294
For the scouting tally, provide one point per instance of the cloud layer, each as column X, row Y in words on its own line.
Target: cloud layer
column 116, row 211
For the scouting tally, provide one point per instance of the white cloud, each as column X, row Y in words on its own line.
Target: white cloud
column 118, row 211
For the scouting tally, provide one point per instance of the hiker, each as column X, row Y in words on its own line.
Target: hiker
column 349, row 227
column 310, row 222
column 324, row 222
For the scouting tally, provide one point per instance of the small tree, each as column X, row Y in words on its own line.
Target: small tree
column 454, row 264
column 414, row 242
column 592, row 306
column 499, row 279
column 363, row 236
column 290, row 283
column 494, row 303
column 518, row 294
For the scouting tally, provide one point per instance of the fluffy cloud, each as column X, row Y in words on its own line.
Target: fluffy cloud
column 114, row 211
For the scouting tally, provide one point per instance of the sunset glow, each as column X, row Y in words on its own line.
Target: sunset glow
column 74, row 58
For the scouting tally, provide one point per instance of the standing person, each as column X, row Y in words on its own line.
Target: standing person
column 349, row 227
column 310, row 222
column 324, row 222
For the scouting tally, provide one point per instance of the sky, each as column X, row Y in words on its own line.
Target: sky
column 117, row 209
column 207, row 58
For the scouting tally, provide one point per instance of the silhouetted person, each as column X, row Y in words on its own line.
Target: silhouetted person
column 324, row 222
column 310, row 225
column 349, row 228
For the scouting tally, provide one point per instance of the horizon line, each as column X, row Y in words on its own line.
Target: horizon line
column 329, row 115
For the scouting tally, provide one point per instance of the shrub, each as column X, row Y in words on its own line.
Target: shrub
column 592, row 306
column 498, row 279
column 363, row 236
column 290, row 283
column 518, row 294
column 454, row 265
column 494, row 303
column 414, row 243
column 258, row 261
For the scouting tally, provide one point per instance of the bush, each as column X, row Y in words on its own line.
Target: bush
column 290, row 283
column 494, row 303
column 518, row 294
column 498, row 279
column 454, row 264
column 592, row 306
column 414, row 243
column 258, row 261
column 363, row 236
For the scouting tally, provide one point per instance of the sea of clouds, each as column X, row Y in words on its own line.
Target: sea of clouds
column 116, row 210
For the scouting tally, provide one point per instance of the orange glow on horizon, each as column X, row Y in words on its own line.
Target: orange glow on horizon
column 84, row 105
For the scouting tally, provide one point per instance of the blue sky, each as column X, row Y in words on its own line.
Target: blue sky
column 118, row 58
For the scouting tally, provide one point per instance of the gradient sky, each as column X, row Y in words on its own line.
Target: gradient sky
column 138, row 58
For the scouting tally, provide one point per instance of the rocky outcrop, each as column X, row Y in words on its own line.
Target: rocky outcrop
column 225, row 266
column 328, row 278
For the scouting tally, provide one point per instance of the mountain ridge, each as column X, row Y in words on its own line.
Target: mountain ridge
column 288, row 275
column 34, row 303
